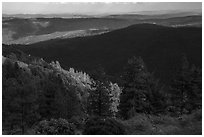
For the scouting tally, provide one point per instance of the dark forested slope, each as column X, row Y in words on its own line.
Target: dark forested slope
column 160, row 47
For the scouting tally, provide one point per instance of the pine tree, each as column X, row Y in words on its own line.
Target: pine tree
column 99, row 102
column 185, row 90
column 56, row 100
column 156, row 96
column 19, row 99
column 196, row 98
column 46, row 100
column 140, row 91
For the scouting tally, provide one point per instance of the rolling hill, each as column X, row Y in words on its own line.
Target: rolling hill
column 23, row 30
column 161, row 48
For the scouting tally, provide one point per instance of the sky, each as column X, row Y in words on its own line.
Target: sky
column 95, row 8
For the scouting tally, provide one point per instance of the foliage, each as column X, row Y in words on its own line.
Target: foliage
column 79, row 82
column 78, row 121
column 19, row 98
column 143, row 124
column 36, row 91
column 99, row 101
column 141, row 91
column 103, row 126
column 55, row 127
column 186, row 89
column 115, row 92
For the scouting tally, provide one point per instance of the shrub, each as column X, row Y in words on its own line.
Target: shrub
column 55, row 127
column 78, row 121
column 140, row 124
column 103, row 126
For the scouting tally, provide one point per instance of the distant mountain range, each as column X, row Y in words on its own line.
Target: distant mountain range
column 161, row 48
column 45, row 16
column 155, row 13
column 31, row 30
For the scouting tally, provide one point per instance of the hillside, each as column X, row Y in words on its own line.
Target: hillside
column 44, row 37
column 160, row 47
column 24, row 30
column 46, row 90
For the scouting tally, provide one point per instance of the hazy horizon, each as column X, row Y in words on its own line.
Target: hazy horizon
column 90, row 8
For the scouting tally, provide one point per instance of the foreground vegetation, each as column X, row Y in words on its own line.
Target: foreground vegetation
column 43, row 98
column 143, row 124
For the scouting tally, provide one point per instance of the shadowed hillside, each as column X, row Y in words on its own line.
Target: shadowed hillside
column 160, row 47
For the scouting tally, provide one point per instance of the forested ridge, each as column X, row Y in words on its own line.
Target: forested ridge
column 43, row 98
column 160, row 47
